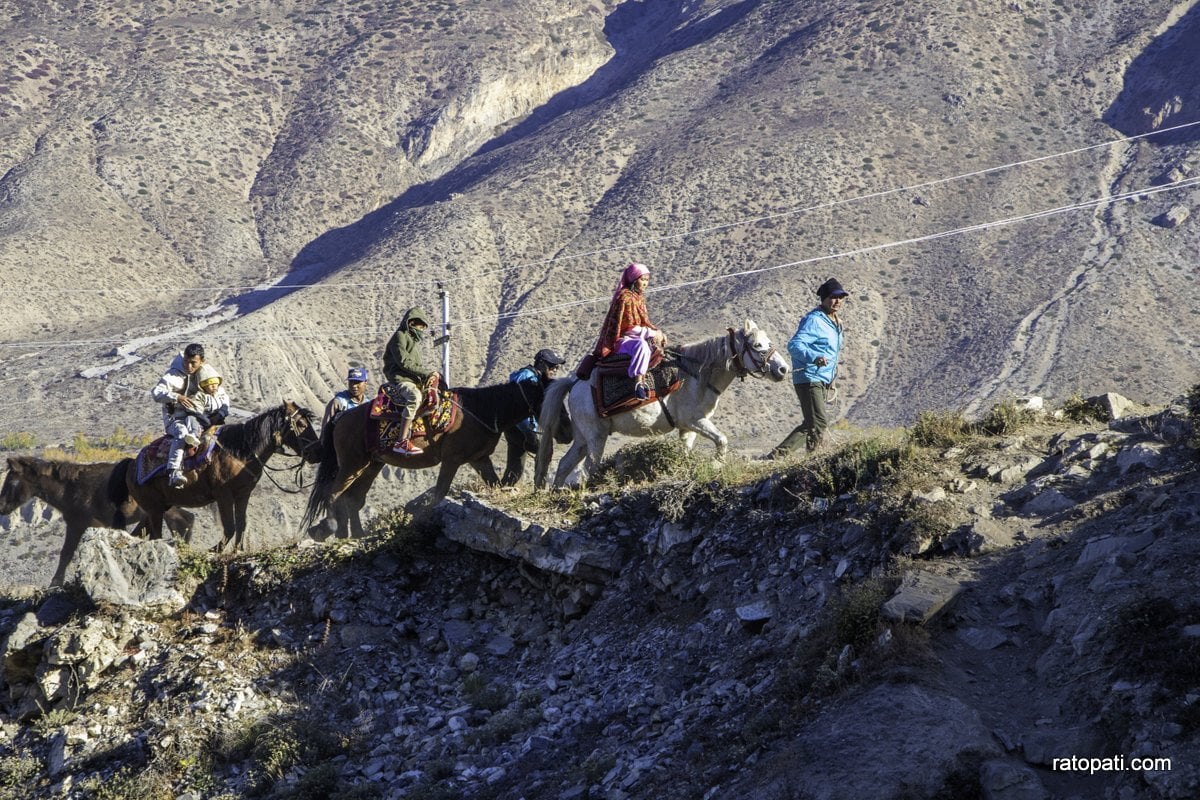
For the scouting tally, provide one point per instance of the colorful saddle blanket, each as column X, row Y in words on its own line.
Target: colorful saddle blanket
column 612, row 389
column 152, row 459
column 433, row 419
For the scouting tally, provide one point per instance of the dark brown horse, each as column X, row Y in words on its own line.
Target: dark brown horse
column 348, row 468
column 85, row 494
column 237, row 463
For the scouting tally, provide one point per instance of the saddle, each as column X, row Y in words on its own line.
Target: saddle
column 437, row 413
column 387, row 405
column 152, row 459
column 612, row 391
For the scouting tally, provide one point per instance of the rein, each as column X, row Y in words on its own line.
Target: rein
column 760, row 364
column 297, row 469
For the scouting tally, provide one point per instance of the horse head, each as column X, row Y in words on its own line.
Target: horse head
column 15, row 491
column 296, row 430
column 753, row 354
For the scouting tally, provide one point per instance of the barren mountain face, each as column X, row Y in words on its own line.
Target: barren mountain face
column 281, row 180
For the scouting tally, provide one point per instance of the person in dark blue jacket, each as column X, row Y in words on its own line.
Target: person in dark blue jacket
column 522, row 439
column 814, row 348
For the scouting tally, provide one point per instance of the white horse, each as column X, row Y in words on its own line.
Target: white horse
column 708, row 368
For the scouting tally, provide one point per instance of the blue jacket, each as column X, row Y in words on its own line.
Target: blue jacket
column 526, row 375
column 817, row 335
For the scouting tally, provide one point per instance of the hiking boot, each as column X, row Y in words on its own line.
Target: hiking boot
column 176, row 479
column 406, row 448
column 641, row 391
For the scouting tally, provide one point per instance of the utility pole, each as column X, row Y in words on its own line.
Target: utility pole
column 444, row 339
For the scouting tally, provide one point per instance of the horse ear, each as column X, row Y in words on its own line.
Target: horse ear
column 749, row 326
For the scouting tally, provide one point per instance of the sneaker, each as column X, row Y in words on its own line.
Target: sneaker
column 406, row 448
column 641, row 391
column 176, row 479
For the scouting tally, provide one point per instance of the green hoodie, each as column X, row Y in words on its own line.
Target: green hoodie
column 402, row 359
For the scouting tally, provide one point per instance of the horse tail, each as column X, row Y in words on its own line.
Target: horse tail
column 552, row 408
column 319, row 504
column 124, row 506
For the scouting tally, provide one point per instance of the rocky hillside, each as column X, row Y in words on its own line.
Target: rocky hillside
column 281, row 180
column 938, row 612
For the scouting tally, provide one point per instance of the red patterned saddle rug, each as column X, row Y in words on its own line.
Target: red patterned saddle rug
column 432, row 421
column 612, row 390
column 152, row 459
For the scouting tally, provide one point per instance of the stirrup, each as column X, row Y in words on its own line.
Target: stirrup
column 406, row 448
column 641, row 391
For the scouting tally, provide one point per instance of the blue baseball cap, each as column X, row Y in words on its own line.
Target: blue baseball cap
column 357, row 374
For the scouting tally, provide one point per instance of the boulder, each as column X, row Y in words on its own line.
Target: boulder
column 1113, row 404
column 920, row 596
column 114, row 567
column 1144, row 455
column 1173, row 217
column 474, row 523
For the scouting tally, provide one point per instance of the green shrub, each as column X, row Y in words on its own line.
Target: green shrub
column 195, row 565
column 480, row 693
column 856, row 465
column 1003, row 419
column 853, row 618
column 939, row 429
column 1148, row 642
column 273, row 746
column 19, row 440
column 1193, row 403
column 18, row 772
column 656, row 459
column 125, row 784
column 1076, row 409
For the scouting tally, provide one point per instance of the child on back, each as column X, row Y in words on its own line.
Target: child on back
column 212, row 400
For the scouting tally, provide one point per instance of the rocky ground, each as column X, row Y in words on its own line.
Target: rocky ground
column 937, row 616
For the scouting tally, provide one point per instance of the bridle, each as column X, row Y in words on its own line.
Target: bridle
column 761, row 361
column 293, row 420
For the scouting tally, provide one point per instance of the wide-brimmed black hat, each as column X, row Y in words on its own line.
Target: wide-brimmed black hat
column 548, row 356
column 831, row 288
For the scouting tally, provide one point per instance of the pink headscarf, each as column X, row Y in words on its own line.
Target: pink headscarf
column 631, row 274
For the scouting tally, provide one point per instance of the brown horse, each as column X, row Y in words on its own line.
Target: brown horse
column 348, row 467
column 237, row 463
column 86, row 496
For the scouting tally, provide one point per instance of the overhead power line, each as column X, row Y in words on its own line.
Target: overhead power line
column 510, row 315
column 275, row 287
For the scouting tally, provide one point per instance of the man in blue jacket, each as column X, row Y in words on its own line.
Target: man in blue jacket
column 815, row 348
column 522, row 439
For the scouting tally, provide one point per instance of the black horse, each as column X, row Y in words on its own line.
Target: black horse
column 348, row 467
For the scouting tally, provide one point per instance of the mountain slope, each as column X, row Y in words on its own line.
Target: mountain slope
column 519, row 153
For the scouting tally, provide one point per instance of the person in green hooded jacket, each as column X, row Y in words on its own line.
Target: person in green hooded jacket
column 402, row 366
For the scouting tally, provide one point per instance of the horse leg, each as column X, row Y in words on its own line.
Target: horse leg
column 180, row 522
column 154, row 524
column 421, row 504
column 239, row 512
column 705, row 428
column 350, row 503
column 688, row 438
column 487, row 471
column 569, row 461
column 514, row 466
column 70, row 544
column 228, row 522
